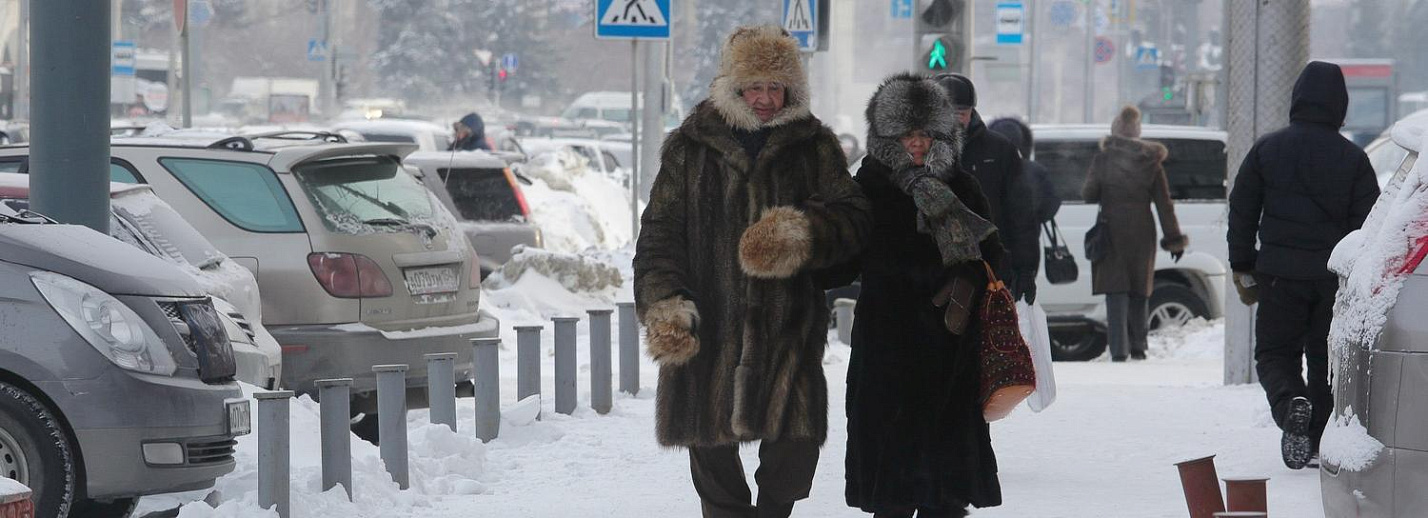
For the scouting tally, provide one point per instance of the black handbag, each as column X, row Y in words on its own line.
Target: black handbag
column 1098, row 239
column 1060, row 264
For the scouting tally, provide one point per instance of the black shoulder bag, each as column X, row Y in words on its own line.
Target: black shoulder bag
column 1060, row 264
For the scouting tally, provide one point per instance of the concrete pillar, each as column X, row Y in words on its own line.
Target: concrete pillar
column 335, row 400
column 565, row 364
column 629, row 349
column 392, row 420
column 274, row 451
column 1268, row 45
column 441, row 388
column 69, row 128
column 486, row 356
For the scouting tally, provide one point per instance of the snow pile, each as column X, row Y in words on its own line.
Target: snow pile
column 1347, row 444
column 11, row 487
column 1371, row 261
column 441, row 463
column 575, row 272
column 1198, row 339
column 575, row 209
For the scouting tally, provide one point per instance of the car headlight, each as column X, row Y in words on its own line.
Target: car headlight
column 111, row 326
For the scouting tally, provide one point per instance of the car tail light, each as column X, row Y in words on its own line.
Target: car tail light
column 1420, row 251
column 520, row 196
column 475, row 276
column 349, row 276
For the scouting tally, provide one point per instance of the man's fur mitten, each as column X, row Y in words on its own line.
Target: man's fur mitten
column 777, row 246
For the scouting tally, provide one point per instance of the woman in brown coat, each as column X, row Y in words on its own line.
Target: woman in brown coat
column 1125, row 178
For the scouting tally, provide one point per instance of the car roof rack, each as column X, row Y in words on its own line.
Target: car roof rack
column 324, row 136
column 233, row 143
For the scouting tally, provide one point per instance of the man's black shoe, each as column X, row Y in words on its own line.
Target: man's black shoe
column 1296, row 447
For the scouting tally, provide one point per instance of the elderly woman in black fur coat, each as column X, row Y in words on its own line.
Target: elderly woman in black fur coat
column 917, row 441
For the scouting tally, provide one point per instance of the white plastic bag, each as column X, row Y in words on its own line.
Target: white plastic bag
column 1038, row 339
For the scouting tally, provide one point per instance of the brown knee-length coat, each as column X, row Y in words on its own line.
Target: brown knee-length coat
column 1126, row 177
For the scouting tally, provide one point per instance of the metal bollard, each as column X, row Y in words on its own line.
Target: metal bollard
column 1201, row 486
column 629, row 349
column 601, row 396
column 565, row 364
column 335, row 398
column 392, row 420
column 528, row 361
column 1247, row 494
column 486, row 355
column 844, row 308
column 274, row 469
column 441, row 388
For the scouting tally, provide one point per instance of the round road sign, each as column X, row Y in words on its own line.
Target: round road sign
column 1105, row 50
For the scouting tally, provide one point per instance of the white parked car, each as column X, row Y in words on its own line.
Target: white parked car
column 426, row 135
column 1184, row 290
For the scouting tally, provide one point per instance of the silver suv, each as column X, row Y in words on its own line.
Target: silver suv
column 358, row 263
column 116, row 374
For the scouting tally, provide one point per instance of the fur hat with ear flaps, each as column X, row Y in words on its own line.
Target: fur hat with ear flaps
column 759, row 53
column 906, row 102
column 1127, row 124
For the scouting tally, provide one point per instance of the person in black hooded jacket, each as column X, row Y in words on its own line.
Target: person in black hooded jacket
column 997, row 165
column 1019, row 134
column 1299, row 191
column 470, row 134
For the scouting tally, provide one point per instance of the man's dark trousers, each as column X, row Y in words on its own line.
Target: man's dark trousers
column 785, row 475
column 1293, row 323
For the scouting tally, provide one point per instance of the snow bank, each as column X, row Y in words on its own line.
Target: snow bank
column 1371, row 261
column 575, row 272
column 1347, row 444
column 441, row 463
column 10, row 486
column 575, row 209
column 1198, row 339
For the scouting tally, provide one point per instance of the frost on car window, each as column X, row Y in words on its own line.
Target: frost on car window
column 366, row 195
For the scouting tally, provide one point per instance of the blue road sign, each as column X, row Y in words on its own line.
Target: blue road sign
column 1011, row 23
column 1147, row 58
column 1063, row 13
column 632, row 19
column 510, row 62
column 1105, row 50
column 122, row 59
column 800, row 19
column 902, row 9
column 316, row 50
column 200, row 12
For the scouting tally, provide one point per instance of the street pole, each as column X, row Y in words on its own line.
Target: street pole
column 635, row 140
column 329, row 91
column 187, row 64
column 1089, row 103
column 69, row 151
column 1268, row 44
column 1032, row 94
column 653, row 114
column 22, row 64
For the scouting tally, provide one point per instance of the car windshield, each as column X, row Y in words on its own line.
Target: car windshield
column 363, row 195
column 166, row 229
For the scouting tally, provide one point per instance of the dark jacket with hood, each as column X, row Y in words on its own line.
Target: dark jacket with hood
column 476, row 139
column 727, row 254
column 998, row 167
column 1019, row 134
column 1303, row 188
column 916, row 435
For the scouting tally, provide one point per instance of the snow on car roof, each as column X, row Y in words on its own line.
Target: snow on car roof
column 455, row 158
column 1150, row 131
column 1408, row 132
column 16, row 185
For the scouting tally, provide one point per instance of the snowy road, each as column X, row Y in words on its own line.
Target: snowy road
column 1106, row 448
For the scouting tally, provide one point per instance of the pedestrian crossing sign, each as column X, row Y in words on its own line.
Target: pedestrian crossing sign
column 632, row 19
column 800, row 19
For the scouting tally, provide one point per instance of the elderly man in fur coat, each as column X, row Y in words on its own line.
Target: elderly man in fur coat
column 752, row 200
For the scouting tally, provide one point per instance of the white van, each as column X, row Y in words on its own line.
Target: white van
column 614, row 107
column 1194, row 287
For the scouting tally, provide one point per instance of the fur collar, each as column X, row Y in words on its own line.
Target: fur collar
column 707, row 125
column 762, row 53
column 907, row 102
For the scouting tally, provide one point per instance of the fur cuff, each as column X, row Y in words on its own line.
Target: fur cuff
column 669, row 331
column 1175, row 244
column 777, row 246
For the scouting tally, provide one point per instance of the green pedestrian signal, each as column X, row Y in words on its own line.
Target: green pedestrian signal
column 1167, row 93
column 937, row 60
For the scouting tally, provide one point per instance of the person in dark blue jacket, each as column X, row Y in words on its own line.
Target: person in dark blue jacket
column 1299, row 191
column 470, row 134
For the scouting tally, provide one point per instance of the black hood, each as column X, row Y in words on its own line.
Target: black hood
column 1320, row 96
column 1015, row 131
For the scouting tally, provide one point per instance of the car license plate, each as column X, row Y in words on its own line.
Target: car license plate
column 441, row 279
column 240, row 417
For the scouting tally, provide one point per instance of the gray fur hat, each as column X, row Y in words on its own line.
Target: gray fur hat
column 906, row 102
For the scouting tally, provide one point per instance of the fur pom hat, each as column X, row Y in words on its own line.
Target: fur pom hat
column 759, row 53
column 906, row 102
column 1127, row 124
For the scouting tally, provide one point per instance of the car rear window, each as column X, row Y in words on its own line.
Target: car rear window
column 482, row 194
column 364, row 195
column 1195, row 168
column 247, row 195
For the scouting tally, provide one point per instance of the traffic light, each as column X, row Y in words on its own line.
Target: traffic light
column 1167, row 82
column 941, row 29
